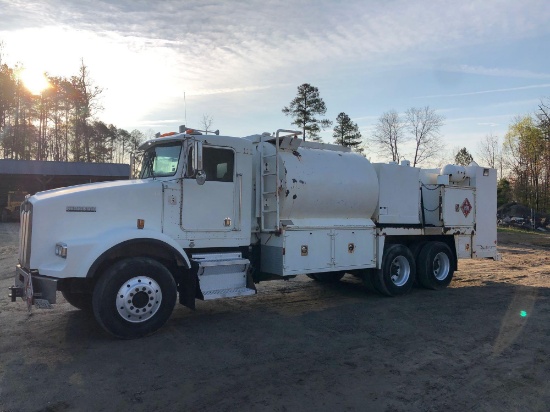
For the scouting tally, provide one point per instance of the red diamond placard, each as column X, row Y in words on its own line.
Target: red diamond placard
column 466, row 207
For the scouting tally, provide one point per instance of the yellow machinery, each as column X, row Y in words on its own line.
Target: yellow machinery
column 11, row 211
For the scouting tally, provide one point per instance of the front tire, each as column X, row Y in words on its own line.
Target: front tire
column 134, row 298
column 435, row 266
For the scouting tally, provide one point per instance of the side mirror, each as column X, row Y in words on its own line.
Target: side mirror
column 200, row 177
column 197, row 156
column 197, row 162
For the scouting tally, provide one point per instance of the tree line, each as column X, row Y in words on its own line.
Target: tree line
column 60, row 123
column 421, row 126
column 522, row 158
column 525, row 155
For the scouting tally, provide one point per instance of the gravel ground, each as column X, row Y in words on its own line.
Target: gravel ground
column 482, row 344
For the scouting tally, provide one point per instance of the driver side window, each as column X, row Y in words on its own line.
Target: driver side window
column 218, row 164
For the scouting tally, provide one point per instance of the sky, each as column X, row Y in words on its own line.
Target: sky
column 164, row 63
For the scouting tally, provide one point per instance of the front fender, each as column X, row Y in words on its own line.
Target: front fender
column 85, row 253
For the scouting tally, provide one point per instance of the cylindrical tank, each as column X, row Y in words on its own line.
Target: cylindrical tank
column 456, row 173
column 326, row 184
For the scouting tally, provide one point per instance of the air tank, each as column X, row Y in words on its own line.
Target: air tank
column 326, row 186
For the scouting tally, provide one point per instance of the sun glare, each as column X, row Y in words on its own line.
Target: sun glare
column 34, row 80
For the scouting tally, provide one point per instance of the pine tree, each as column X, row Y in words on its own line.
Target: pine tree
column 346, row 132
column 304, row 107
column 463, row 157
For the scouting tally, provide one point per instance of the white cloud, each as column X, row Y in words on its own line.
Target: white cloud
column 495, row 71
column 146, row 54
column 479, row 119
column 503, row 90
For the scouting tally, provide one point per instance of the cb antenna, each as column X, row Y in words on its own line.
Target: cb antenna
column 185, row 107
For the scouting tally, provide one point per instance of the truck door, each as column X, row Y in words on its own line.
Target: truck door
column 211, row 207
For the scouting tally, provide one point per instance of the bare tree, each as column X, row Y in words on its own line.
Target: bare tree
column 206, row 122
column 86, row 105
column 388, row 135
column 489, row 152
column 424, row 124
column 543, row 116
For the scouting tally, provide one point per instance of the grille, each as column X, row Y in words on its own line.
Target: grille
column 25, row 232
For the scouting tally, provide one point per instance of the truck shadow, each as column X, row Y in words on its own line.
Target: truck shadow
column 310, row 334
column 511, row 306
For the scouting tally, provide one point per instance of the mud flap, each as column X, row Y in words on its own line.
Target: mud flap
column 250, row 280
column 188, row 286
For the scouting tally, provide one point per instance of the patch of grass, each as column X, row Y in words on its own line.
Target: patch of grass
column 518, row 230
column 528, row 237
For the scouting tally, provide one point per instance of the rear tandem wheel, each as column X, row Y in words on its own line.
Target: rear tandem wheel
column 398, row 272
column 435, row 266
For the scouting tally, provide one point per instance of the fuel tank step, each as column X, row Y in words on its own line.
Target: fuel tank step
column 227, row 293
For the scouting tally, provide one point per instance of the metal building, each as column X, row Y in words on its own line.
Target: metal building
column 33, row 176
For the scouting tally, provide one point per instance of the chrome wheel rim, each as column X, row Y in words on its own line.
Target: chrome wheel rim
column 400, row 271
column 441, row 266
column 138, row 299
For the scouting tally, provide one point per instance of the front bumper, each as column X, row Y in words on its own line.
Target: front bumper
column 29, row 285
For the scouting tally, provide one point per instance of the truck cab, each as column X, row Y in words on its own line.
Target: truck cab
column 203, row 204
column 185, row 218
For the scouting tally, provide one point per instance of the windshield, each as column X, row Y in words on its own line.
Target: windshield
column 161, row 160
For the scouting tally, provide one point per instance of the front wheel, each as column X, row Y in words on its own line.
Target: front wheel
column 134, row 298
column 435, row 266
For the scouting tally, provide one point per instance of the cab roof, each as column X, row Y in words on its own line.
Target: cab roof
column 237, row 143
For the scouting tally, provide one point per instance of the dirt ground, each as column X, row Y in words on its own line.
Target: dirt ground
column 483, row 344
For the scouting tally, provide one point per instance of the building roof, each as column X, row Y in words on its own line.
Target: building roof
column 36, row 167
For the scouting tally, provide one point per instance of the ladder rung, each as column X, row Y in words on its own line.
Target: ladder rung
column 270, row 198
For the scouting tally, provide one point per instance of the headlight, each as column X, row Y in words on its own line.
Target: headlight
column 61, row 249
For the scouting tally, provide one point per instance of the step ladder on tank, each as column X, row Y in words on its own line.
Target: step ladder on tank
column 269, row 182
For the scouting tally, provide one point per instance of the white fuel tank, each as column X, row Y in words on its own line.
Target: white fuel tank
column 326, row 187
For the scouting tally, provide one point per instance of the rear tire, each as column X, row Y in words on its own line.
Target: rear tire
column 435, row 266
column 398, row 271
column 82, row 301
column 134, row 298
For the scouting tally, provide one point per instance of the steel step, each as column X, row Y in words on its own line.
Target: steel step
column 42, row 304
column 228, row 293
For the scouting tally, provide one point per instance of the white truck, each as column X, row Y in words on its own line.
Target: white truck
column 211, row 216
